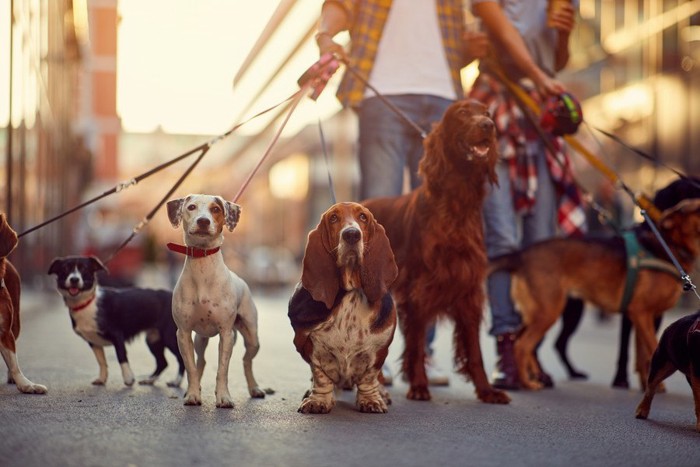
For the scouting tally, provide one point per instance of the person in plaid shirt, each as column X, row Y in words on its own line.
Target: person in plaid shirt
column 411, row 52
column 536, row 194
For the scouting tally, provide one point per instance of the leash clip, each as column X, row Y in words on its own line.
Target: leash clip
column 319, row 73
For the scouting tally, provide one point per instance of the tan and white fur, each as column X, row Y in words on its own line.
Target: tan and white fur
column 210, row 299
column 10, row 287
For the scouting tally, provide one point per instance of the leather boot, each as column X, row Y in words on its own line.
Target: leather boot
column 505, row 376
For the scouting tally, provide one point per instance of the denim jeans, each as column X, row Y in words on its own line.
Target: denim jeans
column 506, row 232
column 388, row 144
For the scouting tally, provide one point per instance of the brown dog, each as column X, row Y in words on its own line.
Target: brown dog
column 595, row 270
column 678, row 350
column 437, row 237
column 9, row 311
column 341, row 311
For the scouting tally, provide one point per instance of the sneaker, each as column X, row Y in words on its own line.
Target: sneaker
column 386, row 374
column 436, row 375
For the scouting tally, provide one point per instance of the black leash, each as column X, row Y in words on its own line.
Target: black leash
column 204, row 148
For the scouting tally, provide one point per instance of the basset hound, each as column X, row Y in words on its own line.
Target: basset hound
column 341, row 312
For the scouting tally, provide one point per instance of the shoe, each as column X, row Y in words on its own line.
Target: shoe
column 505, row 376
column 436, row 375
column 387, row 376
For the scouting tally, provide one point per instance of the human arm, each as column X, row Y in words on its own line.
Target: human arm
column 563, row 20
column 334, row 18
column 502, row 31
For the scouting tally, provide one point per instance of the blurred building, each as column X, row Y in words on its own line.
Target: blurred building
column 635, row 66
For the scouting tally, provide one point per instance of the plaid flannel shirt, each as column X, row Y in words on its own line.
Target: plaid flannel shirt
column 366, row 23
column 515, row 131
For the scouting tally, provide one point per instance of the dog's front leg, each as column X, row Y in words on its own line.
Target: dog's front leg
column 102, row 363
column 322, row 397
column 193, row 396
column 372, row 397
column 13, row 372
column 223, row 397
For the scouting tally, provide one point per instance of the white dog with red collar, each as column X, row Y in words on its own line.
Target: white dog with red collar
column 210, row 299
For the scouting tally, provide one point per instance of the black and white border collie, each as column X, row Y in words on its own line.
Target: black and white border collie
column 106, row 316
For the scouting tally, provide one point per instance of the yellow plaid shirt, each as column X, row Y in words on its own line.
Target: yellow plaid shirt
column 366, row 23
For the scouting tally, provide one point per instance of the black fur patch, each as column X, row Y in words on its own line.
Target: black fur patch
column 384, row 312
column 305, row 312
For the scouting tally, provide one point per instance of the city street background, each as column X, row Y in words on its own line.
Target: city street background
column 576, row 423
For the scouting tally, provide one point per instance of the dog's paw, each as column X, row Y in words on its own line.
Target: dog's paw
column 493, row 396
column 150, row 381
column 372, row 405
column 33, row 388
column 224, row 402
column 642, row 412
column 315, row 406
column 257, row 393
column 99, row 382
column 418, row 393
column 193, row 399
column 129, row 382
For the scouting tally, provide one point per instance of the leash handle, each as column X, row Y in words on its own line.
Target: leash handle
column 319, row 73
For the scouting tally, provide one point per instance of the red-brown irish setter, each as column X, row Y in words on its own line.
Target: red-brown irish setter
column 437, row 237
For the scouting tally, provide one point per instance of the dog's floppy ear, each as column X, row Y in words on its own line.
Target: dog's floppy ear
column 96, row 265
column 55, row 265
column 379, row 268
column 669, row 216
column 175, row 211
column 232, row 212
column 8, row 237
column 319, row 271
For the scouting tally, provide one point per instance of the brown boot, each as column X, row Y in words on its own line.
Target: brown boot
column 505, row 376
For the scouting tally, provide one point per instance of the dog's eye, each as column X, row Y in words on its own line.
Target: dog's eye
column 215, row 209
column 191, row 207
column 333, row 219
column 363, row 217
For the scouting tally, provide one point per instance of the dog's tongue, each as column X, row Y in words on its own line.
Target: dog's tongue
column 74, row 291
column 480, row 150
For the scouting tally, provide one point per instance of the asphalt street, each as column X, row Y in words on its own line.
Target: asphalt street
column 577, row 423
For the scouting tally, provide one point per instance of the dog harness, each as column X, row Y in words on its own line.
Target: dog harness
column 639, row 258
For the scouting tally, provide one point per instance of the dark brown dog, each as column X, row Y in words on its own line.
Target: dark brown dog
column 437, row 236
column 678, row 350
column 595, row 270
column 10, row 287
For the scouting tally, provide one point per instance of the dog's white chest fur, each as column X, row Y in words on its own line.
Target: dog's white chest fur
column 86, row 325
column 208, row 302
column 344, row 346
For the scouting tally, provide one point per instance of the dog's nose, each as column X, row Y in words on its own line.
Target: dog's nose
column 74, row 280
column 352, row 235
column 203, row 222
column 486, row 124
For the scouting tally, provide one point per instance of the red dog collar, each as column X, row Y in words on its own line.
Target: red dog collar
column 83, row 305
column 192, row 251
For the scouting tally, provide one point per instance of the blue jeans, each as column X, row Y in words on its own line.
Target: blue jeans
column 506, row 232
column 388, row 145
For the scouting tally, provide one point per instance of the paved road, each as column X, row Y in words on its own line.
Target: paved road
column 576, row 423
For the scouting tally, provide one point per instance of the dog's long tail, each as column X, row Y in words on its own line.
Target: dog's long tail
column 509, row 262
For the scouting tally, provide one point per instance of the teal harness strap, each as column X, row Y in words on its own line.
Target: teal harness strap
column 632, row 250
column 639, row 258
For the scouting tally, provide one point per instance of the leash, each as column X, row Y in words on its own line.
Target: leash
column 647, row 208
column 131, row 182
column 384, row 100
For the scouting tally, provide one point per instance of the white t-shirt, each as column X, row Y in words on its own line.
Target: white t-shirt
column 410, row 57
